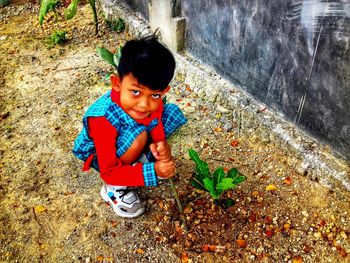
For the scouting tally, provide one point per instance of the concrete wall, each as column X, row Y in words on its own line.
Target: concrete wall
column 292, row 55
column 138, row 6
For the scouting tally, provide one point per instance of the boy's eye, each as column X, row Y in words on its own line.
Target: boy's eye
column 135, row 92
column 156, row 96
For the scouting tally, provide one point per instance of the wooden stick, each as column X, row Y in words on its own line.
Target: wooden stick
column 182, row 215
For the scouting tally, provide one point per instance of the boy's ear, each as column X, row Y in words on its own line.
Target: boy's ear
column 115, row 80
column 166, row 90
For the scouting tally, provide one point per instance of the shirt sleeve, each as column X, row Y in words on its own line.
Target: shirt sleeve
column 157, row 133
column 112, row 170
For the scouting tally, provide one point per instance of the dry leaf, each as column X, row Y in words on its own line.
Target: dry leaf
column 286, row 226
column 218, row 129
column 187, row 210
column 140, row 251
column 69, row 193
column 252, row 218
column 297, row 259
column 269, row 232
column 184, row 257
column 322, row 222
column 212, row 248
column 234, row 143
column 271, row 187
column 255, row 193
column 205, row 248
column 100, row 258
column 307, row 248
column 268, row 220
column 241, row 242
column 287, row 181
column 114, row 223
column 342, row 251
column 40, row 208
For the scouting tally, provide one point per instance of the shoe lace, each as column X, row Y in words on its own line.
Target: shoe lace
column 123, row 192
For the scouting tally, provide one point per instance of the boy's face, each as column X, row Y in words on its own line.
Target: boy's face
column 137, row 100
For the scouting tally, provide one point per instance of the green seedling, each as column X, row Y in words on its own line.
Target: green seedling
column 215, row 183
column 71, row 9
column 45, row 7
column 58, row 37
column 51, row 5
column 117, row 25
column 110, row 57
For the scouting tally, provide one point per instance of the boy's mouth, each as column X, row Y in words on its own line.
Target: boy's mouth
column 140, row 114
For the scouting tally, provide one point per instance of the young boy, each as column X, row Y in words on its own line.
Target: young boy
column 130, row 122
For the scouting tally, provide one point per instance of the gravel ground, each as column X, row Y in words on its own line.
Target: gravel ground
column 52, row 212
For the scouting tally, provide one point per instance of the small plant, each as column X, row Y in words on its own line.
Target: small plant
column 58, row 37
column 45, row 7
column 110, row 57
column 216, row 183
column 51, row 5
column 117, row 25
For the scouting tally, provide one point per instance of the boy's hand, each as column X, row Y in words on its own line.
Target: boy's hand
column 161, row 151
column 165, row 169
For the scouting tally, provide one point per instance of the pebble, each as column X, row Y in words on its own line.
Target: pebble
column 318, row 235
column 304, row 213
column 222, row 109
column 343, row 235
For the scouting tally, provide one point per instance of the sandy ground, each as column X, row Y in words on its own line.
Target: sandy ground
column 52, row 212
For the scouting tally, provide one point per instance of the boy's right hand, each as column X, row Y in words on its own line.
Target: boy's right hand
column 165, row 169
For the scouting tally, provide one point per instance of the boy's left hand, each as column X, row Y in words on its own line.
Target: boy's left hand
column 161, row 151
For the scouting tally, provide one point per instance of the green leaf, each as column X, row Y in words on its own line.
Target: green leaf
column 58, row 37
column 228, row 202
column 119, row 25
column 194, row 156
column 225, row 184
column 46, row 6
column 239, row 179
column 71, row 9
column 218, row 175
column 236, row 176
column 202, row 167
column 197, row 183
column 116, row 57
column 210, row 186
column 232, row 173
column 106, row 55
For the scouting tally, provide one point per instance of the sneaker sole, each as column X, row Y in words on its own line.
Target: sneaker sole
column 106, row 198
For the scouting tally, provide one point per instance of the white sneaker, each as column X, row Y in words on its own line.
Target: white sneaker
column 124, row 201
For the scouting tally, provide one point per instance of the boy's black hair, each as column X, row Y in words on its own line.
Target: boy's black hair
column 151, row 63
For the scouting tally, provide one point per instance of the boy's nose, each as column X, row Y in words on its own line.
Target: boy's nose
column 143, row 102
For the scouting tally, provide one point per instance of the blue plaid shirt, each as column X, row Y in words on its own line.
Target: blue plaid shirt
column 128, row 129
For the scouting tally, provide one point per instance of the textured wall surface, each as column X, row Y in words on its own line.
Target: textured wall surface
column 139, row 6
column 292, row 55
